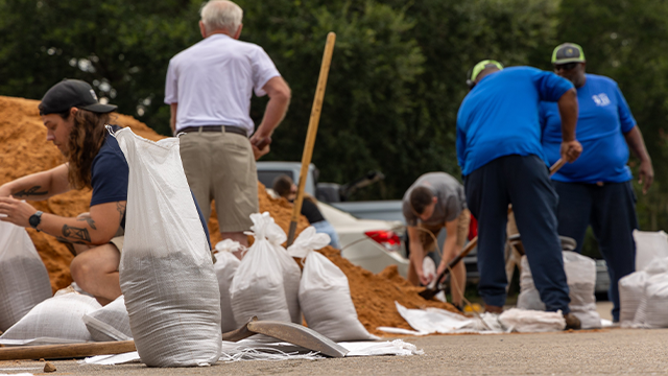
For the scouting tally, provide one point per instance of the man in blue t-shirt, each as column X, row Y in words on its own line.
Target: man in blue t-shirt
column 596, row 190
column 499, row 151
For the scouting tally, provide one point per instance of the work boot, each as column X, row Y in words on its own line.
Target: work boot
column 572, row 322
column 493, row 309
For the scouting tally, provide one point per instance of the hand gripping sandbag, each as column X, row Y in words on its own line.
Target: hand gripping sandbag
column 166, row 273
column 24, row 281
column 225, row 267
column 57, row 320
column 109, row 323
column 324, row 293
column 257, row 286
column 291, row 272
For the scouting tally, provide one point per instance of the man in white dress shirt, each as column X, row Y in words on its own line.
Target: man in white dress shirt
column 209, row 87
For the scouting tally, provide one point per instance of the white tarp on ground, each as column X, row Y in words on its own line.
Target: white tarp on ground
column 249, row 349
column 434, row 320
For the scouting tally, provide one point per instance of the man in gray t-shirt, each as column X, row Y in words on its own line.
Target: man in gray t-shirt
column 434, row 201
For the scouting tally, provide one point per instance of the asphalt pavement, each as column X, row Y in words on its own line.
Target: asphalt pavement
column 598, row 352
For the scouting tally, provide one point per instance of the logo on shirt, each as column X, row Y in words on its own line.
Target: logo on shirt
column 601, row 100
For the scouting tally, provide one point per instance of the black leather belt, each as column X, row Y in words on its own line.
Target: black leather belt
column 216, row 128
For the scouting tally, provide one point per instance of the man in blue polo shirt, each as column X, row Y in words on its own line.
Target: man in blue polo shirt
column 499, row 151
column 596, row 190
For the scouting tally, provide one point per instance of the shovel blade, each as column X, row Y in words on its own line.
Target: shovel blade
column 298, row 335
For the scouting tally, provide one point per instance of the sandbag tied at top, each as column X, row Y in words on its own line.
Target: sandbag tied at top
column 258, row 284
column 57, row 320
column 166, row 273
column 291, row 272
column 24, row 281
column 225, row 267
column 324, row 293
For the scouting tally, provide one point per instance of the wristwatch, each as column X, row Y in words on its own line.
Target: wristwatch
column 35, row 219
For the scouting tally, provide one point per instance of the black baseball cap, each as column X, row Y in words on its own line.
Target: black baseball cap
column 568, row 53
column 72, row 93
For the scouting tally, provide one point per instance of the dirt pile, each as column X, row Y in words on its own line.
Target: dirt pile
column 24, row 150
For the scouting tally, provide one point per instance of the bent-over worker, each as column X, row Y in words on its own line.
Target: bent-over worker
column 596, row 189
column 435, row 201
column 499, row 151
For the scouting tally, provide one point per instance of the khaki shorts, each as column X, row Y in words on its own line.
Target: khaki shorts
column 427, row 240
column 221, row 166
column 118, row 242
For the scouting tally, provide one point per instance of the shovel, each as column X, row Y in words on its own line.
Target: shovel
column 288, row 332
column 430, row 293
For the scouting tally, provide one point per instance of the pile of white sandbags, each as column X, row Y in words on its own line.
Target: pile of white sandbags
column 225, row 267
column 57, row 320
column 324, row 293
column 581, row 278
column 266, row 283
column 649, row 247
column 643, row 297
column 24, row 281
column 166, row 273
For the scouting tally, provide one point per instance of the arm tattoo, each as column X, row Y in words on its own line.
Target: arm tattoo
column 90, row 221
column 63, row 240
column 30, row 192
column 76, row 233
column 121, row 208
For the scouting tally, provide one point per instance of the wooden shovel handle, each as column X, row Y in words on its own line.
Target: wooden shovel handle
column 74, row 350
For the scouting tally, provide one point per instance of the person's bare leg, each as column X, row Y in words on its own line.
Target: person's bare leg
column 237, row 237
column 96, row 272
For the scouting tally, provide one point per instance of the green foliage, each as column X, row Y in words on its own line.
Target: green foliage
column 396, row 80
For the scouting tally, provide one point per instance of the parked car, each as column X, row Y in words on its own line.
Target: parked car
column 372, row 244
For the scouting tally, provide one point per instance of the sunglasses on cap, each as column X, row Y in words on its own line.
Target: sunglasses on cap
column 566, row 67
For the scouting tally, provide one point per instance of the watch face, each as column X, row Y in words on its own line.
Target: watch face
column 34, row 220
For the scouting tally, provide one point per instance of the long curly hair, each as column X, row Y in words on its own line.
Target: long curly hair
column 86, row 139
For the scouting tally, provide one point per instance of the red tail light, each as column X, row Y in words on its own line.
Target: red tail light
column 388, row 239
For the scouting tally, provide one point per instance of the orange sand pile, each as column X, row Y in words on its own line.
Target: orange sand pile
column 24, row 150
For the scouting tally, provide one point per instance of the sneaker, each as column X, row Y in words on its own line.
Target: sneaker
column 493, row 309
column 572, row 322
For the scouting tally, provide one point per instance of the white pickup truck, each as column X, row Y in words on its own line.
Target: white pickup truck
column 371, row 232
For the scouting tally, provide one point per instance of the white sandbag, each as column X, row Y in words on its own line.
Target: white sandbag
column 531, row 321
column 57, row 320
column 654, row 303
column 109, row 323
column 581, row 278
column 257, row 287
column 324, row 293
column 529, row 298
column 291, row 273
column 649, row 246
column 631, row 290
column 166, row 273
column 24, row 281
column 225, row 267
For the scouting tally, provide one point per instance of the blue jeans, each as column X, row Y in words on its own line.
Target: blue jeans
column 326, row 228
column 524, row 182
